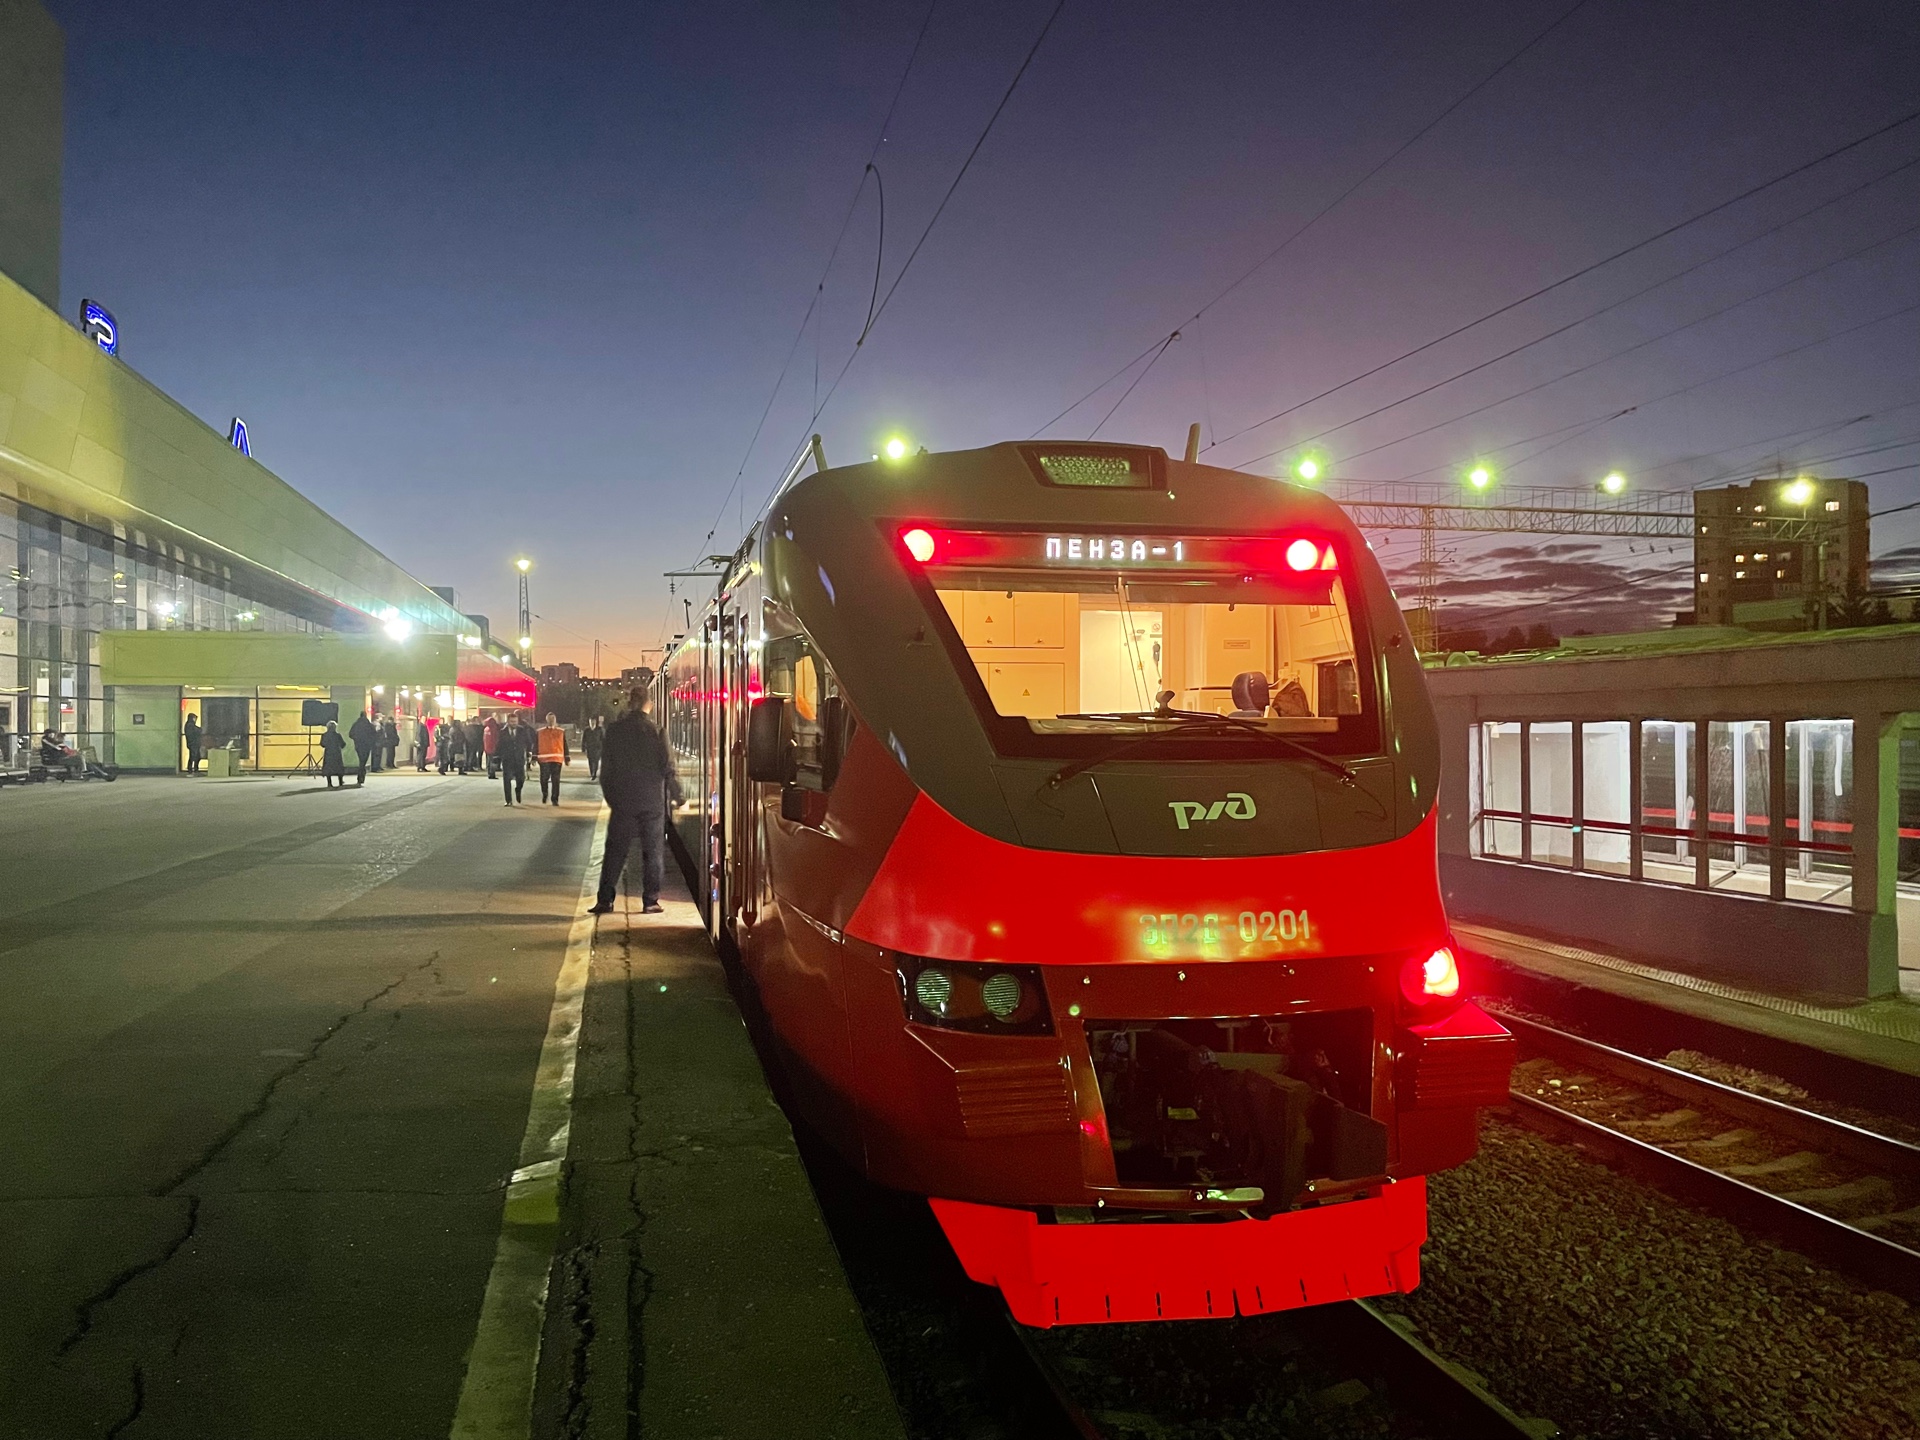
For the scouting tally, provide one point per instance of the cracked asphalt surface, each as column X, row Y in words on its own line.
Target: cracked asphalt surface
column 265, row 1062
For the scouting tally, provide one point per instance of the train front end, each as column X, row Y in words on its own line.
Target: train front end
column 1097, row 896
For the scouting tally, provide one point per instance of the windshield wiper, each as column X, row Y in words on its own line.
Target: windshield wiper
column 1179, row 720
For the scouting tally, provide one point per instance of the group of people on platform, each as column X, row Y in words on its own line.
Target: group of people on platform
column 505, row 747
column 629, row 758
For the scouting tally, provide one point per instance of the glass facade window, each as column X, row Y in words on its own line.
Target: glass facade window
column 1666, row 800
column 1819, row 810
column 62, row 584
column 1707, row 811
column 1550, row 813
column 1606, row 821
column 1500, row 812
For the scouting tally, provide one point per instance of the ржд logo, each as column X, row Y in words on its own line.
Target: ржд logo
column 1237, row 806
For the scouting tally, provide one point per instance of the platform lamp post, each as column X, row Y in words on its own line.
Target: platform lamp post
column 523, row 565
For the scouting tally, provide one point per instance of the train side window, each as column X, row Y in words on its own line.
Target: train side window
column 791, row 667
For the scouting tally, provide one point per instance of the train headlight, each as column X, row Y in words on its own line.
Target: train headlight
column 1001, row 995
column 933, row 989
column 966, row 995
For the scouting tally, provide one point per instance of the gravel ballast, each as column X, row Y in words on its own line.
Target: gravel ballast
column 1585, row 1297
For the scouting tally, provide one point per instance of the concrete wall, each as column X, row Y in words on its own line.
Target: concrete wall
column 1768, row 945
column 32, row 65
column 153, row 744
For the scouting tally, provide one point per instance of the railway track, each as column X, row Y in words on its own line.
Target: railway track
column 1431, row 1395
column 1842, row 1194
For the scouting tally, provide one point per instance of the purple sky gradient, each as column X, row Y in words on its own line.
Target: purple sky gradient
column 490, row 279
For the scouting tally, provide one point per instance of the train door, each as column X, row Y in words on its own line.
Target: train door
column 713, row 729
column 742, row 822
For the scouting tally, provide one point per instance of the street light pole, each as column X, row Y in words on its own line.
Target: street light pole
column 523, row 565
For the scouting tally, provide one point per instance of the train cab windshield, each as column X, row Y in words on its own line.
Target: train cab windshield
column 1098, row 635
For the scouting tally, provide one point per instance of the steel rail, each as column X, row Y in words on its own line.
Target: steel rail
column 1866, row 1256
column 1421, row 1378
column 1881, row 1153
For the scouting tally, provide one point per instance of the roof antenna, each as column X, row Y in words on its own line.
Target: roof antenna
column 819, row 454
column 1193, row 442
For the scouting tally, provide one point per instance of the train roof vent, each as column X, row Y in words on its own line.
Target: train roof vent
column 1081, row 466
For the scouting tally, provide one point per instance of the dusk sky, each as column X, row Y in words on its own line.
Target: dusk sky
column 490, row 280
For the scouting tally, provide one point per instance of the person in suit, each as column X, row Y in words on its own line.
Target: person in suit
column 196, row 742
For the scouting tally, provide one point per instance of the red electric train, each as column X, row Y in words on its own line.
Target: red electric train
column 1071, row 810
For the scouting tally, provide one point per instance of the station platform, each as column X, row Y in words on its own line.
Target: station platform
column 696, row 1290
column 1883, row 1033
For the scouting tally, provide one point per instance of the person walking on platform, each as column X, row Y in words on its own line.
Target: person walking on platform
column 637, row 779
column 447, row 740
column 390, row 737
column 422, row 742
column 593, row 740
column 510, row 753
column 490, row 745
column 364, row 738
column 195, row 739
column 551, row 746
column 376, row 750
column 476, row 743
column 332, row 759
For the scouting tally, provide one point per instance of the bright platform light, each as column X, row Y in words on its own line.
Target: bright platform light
column 1308, row 469
column 1479, row 477
column 1799, row 492
column 1613, row 482
column 895, row 448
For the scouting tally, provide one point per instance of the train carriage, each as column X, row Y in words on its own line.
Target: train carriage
column 1071, row 810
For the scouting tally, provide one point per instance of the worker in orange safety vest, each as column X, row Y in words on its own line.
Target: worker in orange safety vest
column 550, row 747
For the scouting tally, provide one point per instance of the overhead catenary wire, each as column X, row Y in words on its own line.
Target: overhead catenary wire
column 1606, row 359
column 961, row 174
column 1604, row 310
column 1158, row 347
column 819, row 289
column 1638, row 345
column 1584, row 270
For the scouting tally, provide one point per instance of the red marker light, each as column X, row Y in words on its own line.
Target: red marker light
column 1302, row 554
column 919, row 544
column 1437, row 977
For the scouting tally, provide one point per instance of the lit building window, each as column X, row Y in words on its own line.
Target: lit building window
column 1703, row 577
column 1740, row 559
column 1833, row 507
column 1760, row 555
column 1759, row 509
column 1739, row 574
column 1779, row 574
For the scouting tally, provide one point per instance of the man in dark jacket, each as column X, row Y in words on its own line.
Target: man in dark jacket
column 636, row 776
column 593, row 739
column 195, row 738
column 364, row 738
column 510, row 756
column 390, row 737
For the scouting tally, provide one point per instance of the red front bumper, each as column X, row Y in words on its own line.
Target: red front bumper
column 1083, row 1274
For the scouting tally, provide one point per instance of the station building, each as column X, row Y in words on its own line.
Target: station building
column 149, row 567
column 1735, row 805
